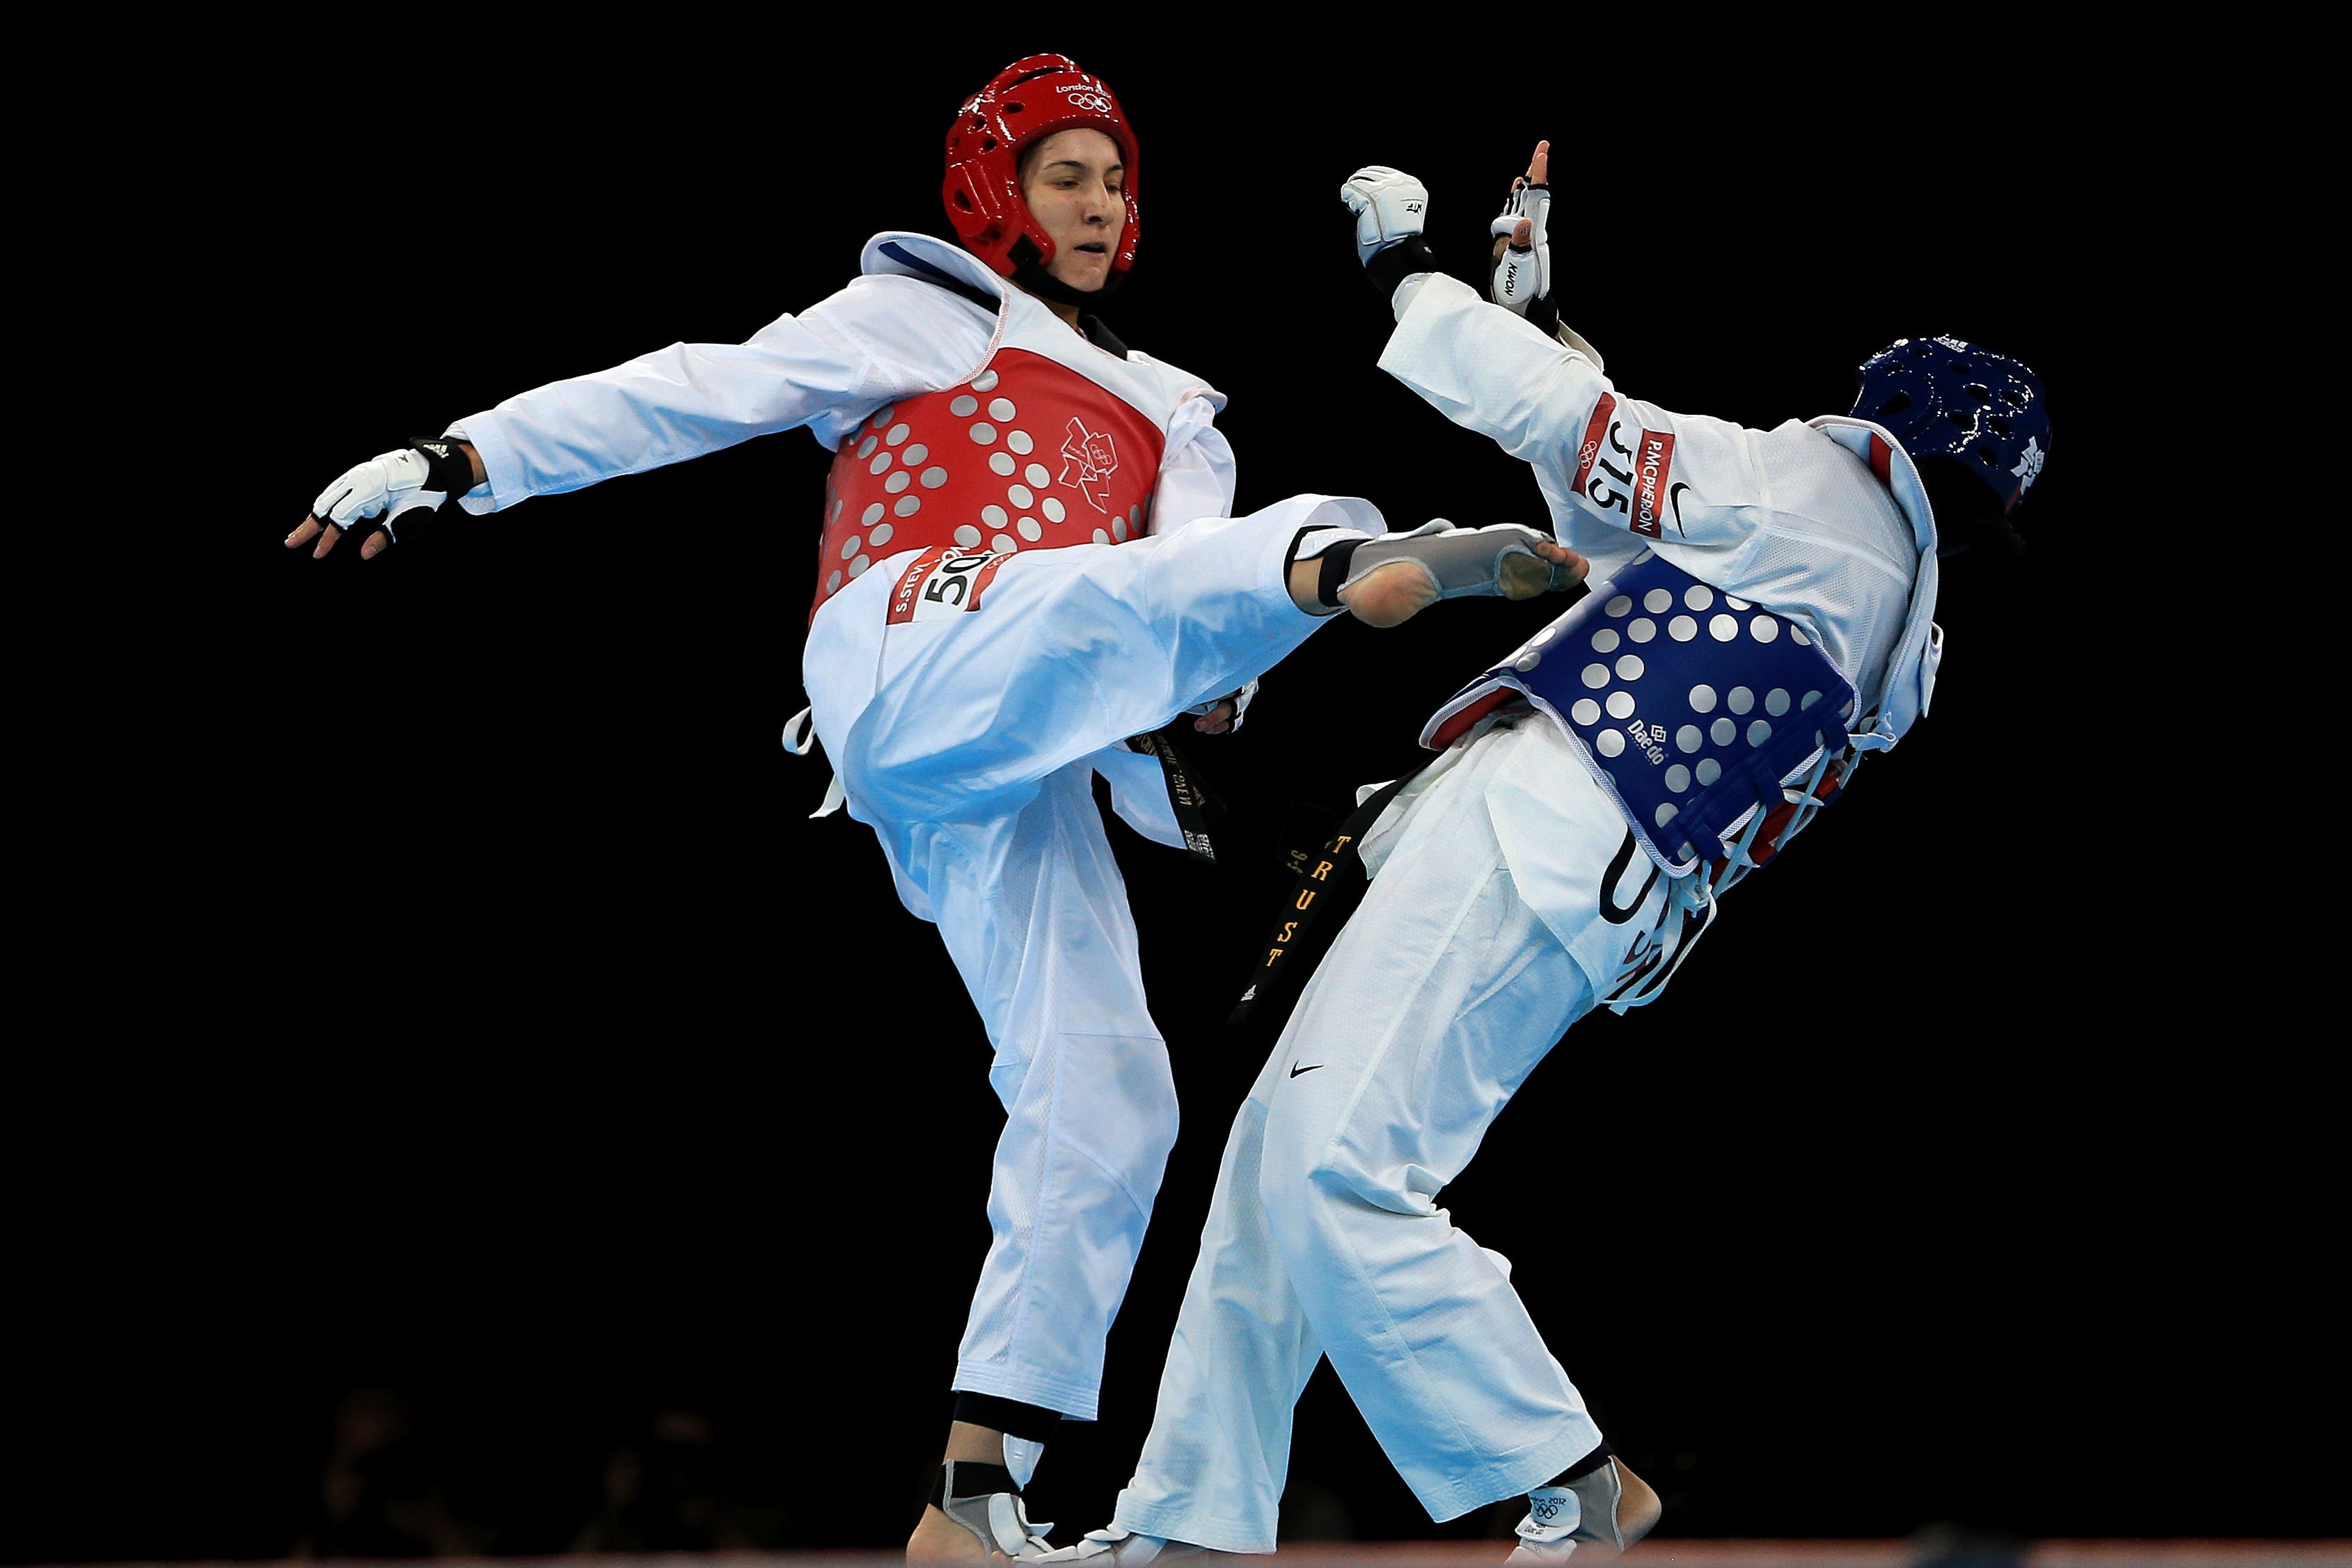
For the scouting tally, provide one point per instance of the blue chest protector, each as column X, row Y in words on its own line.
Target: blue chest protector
column 1692, row 707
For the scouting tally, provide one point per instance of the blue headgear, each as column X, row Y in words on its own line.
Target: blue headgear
column 1941, row 397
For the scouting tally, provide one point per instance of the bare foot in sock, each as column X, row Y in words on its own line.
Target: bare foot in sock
column 1393, row 594
column 939, row 1539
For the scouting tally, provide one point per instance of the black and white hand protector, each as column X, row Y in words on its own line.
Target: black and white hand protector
column 401, row 487
column 1498, row 562
column 1390, row 206
column 1522, row 276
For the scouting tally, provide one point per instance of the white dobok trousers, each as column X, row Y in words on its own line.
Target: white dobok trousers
column 1437, row 1000
column 967, row 741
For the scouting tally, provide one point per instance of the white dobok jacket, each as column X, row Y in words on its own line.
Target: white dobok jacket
column 897, row 336
column 1823, row 522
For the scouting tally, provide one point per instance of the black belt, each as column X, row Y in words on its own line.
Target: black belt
column 1331, row 881
column 1195, row 804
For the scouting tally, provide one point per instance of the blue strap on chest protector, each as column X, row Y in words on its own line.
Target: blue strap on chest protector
column 1691, row 705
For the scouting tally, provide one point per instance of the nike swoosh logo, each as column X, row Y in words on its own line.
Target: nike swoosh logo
column 1296, row 1071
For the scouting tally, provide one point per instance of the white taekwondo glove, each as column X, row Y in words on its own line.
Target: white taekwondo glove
column 1523, row 276
column 1389, row 205
column 403, row 487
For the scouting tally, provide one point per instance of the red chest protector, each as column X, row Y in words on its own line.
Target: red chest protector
column 1030, row 455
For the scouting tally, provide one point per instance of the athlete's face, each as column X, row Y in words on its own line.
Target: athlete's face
column 1075, row 182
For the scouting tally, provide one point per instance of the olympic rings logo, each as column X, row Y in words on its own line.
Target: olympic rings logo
column 1093, row 103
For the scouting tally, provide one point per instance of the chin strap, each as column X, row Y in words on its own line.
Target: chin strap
column 1045, row 286
column 1030, row 274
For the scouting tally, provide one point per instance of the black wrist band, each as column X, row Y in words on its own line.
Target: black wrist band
column 1392, row 266
column 446, row 466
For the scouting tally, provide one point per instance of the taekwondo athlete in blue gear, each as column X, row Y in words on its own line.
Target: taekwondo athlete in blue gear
column 1760, row 617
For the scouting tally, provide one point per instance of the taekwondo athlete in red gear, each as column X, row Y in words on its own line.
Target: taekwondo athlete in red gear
column 1025, row 558
column 1765, row 621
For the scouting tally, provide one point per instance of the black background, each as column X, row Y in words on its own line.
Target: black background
column 462, row 1001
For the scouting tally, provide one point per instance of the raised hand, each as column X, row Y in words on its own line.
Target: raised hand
column 1522, row 272
column 1390, row 206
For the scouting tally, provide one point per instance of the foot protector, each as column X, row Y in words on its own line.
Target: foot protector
column 1498, row 562
column 1563, row 1513
column 1112, row 1547
column 985, row 1499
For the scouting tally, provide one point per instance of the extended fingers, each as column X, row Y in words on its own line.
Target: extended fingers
column 1539, row 166
column 328, row 536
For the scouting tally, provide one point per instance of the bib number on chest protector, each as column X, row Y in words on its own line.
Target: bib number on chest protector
column 942, row 581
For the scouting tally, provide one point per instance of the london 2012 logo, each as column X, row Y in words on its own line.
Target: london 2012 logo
column 1088, row 460
column 1080, row 96
column 2029, row 465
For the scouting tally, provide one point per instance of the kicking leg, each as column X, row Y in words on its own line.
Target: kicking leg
column 1065, row 653
column 1057, row 656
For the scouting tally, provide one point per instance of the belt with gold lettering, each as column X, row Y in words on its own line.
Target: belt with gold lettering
column 1331, row 884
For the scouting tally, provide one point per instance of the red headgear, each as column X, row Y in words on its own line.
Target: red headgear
column 1027, row 101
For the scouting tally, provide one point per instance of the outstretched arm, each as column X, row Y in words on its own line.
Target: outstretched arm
column 1622, row 463
column 1543, row 398
column 880, row 338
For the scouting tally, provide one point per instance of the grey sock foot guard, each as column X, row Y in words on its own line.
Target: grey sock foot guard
column 1498, row 562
